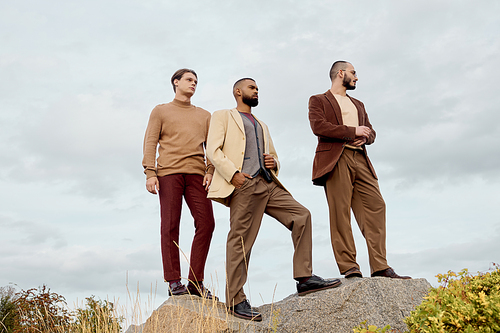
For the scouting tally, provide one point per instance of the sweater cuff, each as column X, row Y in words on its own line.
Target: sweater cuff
column 210, row 170
column 150, row 173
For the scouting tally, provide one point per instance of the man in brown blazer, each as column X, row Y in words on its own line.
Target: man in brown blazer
column 341, row 165
column 245, row 179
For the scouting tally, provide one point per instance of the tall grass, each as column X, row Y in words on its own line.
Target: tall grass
column 185, row 313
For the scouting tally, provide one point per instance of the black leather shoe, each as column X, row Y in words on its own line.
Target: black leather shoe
column 200, row 290
column 315, row 283
column 353, row 272
column 389, row 272
column 177, row 289
column 243, row 310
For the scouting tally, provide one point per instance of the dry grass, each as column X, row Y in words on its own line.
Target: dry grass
column 178, row 314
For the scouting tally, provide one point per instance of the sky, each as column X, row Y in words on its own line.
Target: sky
column 78, row 81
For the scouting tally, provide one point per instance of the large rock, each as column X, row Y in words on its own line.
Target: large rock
column 380, row 301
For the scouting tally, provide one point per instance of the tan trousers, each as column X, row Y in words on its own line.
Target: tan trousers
column 247, row 207
column 352, row 185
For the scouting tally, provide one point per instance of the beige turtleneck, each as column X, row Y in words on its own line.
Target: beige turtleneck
column 180, row 129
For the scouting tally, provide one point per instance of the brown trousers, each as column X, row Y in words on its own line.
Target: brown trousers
column 247, row 207
column 172, row 189
column 352, row 185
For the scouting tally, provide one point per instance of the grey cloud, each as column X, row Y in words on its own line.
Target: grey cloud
column 36, row 233
column 475, row 255
column 79, row 80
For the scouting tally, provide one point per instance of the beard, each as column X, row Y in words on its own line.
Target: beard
column 251, row 102
column 347, row 84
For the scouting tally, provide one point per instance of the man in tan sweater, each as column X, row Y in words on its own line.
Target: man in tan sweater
column 180, row 130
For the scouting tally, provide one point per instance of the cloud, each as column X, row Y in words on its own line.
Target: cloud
column 78, row 82
column 477, row 255
column 28, row 232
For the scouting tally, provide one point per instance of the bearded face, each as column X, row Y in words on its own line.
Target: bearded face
column 348, row 82
column 251, row 101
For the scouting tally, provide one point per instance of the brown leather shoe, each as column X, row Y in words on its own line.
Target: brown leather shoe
column 177, row 289
column 389, row 272
column 353, row 272
column 201, row 291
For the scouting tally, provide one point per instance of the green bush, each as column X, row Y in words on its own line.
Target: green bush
column 97, row 317
column 39, row 310
column 7, row 309
column 464, row 303
column 42, row 311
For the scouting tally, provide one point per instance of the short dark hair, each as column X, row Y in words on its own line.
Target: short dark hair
column 337, row 65
column 178, row 75
column 243, row 79
column 235, row 85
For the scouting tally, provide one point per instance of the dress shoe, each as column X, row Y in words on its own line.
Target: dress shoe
column 353, row 272
column 315, row 283
column 243, row 310
column 200, row 290
column 177, row 289
column 389, row 272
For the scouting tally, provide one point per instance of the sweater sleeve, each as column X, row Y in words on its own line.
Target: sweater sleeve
column 151, row 139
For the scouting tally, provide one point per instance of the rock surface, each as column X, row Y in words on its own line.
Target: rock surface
column 380, row 301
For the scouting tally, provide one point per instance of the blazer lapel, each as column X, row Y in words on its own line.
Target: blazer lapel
column 335, row 106
column 237, row 118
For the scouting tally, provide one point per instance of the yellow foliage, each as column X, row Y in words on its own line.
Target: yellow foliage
column 463, row 303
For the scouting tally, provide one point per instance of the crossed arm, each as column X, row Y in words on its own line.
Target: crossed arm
column 321, row 127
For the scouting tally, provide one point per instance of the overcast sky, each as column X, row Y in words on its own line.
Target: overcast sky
column 78, row 80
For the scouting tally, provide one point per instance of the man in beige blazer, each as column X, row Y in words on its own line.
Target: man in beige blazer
column 245, row 179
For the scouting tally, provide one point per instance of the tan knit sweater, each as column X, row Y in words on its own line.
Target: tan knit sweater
column 181, row 130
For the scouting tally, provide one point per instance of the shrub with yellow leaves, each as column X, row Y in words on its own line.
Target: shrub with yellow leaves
column 463, row 303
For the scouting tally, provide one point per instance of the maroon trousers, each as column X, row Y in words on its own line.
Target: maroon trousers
column 172, row 189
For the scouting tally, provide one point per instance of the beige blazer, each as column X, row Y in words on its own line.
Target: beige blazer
column 226, row 150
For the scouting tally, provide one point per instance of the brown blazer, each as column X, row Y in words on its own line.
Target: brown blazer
column 326, row 122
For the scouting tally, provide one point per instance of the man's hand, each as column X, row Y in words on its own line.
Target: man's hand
column 269, row 162
column 239, row 178
column 152, row 184
column 358, row 142
column 207, row 180
column 363, row 131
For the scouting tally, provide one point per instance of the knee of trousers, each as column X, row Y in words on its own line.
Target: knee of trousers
column 207, row 226
column 301, row 222
column 303, row 217
column 377, row 203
